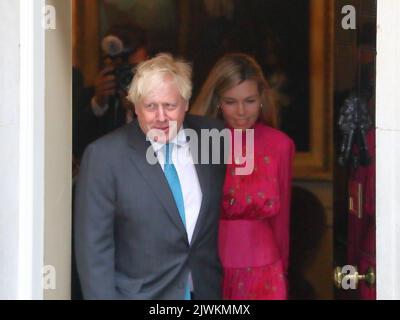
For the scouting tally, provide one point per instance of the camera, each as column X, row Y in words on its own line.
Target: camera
column 123, row 75
column 115, row 50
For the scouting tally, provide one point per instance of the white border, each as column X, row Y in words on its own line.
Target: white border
column 31, row 164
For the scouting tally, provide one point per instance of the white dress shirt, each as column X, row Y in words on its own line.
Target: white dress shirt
column 183, row 162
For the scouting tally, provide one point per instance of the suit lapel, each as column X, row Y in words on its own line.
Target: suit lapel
column 204, row 179
column 153, row 174
column 155, row 178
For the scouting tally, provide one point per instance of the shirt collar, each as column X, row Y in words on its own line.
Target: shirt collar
column 180, row 140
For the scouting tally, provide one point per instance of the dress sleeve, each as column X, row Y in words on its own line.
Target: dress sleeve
column 281, row 222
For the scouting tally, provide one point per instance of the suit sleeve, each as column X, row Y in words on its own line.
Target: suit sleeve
column 281, row 223
column 94, row 226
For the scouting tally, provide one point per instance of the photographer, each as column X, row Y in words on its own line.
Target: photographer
column 124, row 47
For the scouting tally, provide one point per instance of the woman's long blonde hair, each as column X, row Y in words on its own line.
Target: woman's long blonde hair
column 229, row 71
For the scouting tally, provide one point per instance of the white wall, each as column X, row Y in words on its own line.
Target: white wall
column 21, row 191
column 9, row 136
column 388, row 150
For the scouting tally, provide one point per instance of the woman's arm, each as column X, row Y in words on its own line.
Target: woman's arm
column 281, row 222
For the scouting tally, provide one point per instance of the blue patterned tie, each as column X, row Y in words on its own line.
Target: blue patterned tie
column 175, row 185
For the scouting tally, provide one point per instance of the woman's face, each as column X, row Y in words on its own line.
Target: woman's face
column 241, row 105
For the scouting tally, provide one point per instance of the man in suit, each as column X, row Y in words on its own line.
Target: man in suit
column 145, row 230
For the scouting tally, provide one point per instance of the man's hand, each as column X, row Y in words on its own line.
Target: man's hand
column 105, row 86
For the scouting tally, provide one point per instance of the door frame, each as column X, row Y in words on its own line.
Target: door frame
column 31, row 151
column 45, row 152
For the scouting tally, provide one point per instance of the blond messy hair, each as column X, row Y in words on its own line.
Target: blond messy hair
column 151, row 73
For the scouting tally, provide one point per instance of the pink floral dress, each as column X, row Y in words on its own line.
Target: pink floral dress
column 254, row 224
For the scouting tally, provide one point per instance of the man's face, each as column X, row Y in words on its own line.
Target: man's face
column 162, row 105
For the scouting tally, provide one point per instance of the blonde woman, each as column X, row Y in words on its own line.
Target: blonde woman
column 254, row 222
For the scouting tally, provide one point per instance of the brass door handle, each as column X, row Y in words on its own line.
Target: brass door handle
column 349, row 278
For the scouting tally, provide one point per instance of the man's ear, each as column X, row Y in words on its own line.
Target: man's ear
column 187, row 107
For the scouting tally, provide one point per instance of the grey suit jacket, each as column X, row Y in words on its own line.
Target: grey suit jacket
column 130, row 241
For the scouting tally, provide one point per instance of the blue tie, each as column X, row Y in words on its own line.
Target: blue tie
column 173, row 181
